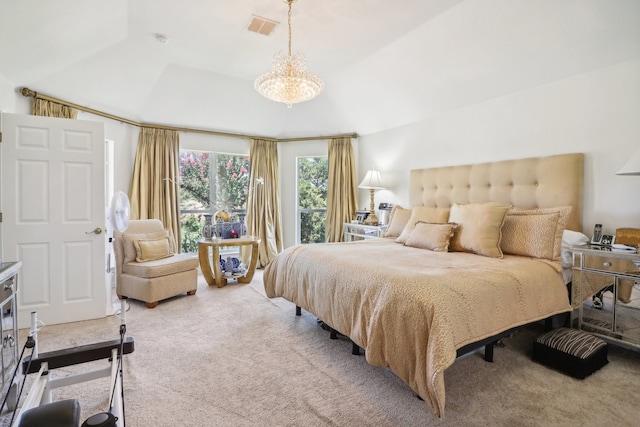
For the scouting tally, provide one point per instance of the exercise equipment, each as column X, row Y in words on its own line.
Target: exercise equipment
column 39, row 408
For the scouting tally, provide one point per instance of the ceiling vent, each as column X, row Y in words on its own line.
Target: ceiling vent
column 261, row 25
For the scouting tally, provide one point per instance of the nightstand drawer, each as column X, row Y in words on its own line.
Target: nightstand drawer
column 613, row 265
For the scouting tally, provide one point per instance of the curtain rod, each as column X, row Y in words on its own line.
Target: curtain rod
column 30, row 93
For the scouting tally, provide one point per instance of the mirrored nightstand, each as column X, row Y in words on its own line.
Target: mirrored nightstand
column 606, row 293
column 353, row 232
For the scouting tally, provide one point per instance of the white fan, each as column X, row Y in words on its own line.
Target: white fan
column 118, row 215
column 120, row 212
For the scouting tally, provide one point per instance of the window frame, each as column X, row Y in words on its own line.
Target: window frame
column 213, row 184
column 300, row 211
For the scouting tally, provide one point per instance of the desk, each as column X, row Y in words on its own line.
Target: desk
column 215, row 276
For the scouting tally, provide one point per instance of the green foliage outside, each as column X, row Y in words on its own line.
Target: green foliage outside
column 230, row 194
column 313, row 181
column 197, row 196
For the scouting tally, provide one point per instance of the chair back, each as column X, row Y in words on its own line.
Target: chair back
column 136, row 226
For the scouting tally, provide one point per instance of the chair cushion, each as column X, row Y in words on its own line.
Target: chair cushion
column 162, row 267
column 128, row 244
column 153, row 249
column 571, row 351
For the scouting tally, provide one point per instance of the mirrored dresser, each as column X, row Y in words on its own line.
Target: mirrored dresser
column 606, row 293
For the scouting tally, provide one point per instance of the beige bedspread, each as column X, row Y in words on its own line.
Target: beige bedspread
column 409, row 308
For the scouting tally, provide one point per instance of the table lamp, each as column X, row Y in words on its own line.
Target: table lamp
column 632, row 167
column 372, row 182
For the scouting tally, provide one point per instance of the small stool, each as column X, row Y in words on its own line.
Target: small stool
column 571, row 351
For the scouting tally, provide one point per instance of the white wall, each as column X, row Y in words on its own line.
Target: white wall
column 596, row 113
column 8, row 96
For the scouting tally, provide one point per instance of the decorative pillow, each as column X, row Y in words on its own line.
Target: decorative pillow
column 535, row 233
column 479, row 228
column 424, row 214
column 153, row 249
column 398, row 218
column 434, row 237
column 129, row 247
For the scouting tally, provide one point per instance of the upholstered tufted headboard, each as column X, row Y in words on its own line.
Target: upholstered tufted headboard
column 538, row 182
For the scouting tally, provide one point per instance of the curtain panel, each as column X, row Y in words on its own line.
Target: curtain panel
column 42, row 107
column 341, row 194
column 154, row 182
column 264, row 217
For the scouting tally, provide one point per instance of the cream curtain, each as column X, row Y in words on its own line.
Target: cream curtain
column 46, row 108
column 263, row 203
column 154, row 183
column 341, row 198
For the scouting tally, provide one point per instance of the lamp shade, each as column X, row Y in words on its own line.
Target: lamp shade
column 372, row 180
column 632, row 167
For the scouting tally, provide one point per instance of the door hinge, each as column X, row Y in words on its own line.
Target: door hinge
column 0, row 136
column 0, row 216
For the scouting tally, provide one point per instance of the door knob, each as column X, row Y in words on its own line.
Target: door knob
column 96, row 230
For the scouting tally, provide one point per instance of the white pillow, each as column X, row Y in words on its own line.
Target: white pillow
column 571, row 238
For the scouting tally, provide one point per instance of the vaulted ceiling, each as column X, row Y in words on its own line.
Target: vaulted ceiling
column 385, row 64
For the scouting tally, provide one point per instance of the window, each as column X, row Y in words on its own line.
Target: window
column 210, row 182
column 313, row 179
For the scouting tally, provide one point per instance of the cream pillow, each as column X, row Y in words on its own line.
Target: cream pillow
column 479, row 228
column 398, row 218
column 153, row 249
column 129, row 246
column 424, row 214
column 535, row 233
column 434, row 237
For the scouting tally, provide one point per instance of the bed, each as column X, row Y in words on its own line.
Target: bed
column 414, row 305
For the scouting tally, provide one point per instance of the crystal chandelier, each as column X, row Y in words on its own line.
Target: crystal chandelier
column 289, row 82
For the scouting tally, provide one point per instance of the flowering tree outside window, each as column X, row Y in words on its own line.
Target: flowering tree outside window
column 195, row 184
column 233, row 183
column 202, row 192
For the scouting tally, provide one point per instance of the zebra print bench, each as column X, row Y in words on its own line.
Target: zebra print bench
column 571, row 351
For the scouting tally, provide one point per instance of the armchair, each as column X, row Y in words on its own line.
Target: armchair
column 147, row 267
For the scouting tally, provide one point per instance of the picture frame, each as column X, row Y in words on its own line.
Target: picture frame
column 361, row 216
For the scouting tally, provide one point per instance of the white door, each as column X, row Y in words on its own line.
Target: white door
column 52, row 201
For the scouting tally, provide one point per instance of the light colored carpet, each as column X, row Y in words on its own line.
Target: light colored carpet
column 232, row 357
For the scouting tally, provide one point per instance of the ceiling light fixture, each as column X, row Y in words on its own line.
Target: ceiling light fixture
column 289, row 82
